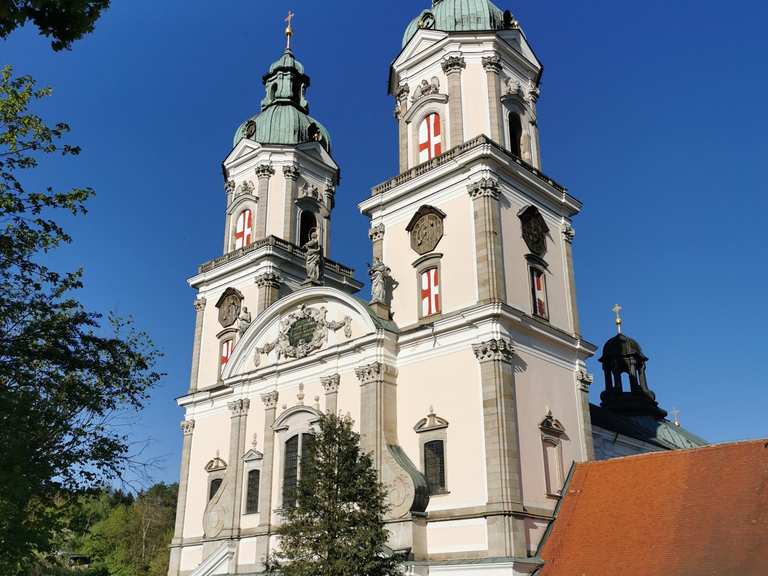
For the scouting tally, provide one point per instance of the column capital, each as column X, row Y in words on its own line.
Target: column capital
column 264, row 171
column 402, row 92
column 584, row 379
column 495, row 350
column 492, row 63
column 453, row 64
column 291, row 171
column 268, row 280
column 374, row 372
column 484, row 188
column 270, row 399
column 376, row 233
column 569, row 233
column 187, row 427
column 199, row 304
column 239, row 407
column 229, row 186
column 330, row 383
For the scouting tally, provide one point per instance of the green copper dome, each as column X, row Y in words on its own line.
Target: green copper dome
column 458, row 15
column 284, row 116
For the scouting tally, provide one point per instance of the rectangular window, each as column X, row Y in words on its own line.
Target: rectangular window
column 553, row 467
column 226, row 350
column 539, row 293
column 214, row 487
column 434, row 466
column 290, row 471
column 252, row 493
column 430, row 292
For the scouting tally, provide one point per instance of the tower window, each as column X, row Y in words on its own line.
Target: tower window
column 307, row 224
column 553, row 466
column 515, row 134
column 539, row 293
column 434, row 466
column 252, row 492
column 226, row 351
column 244, row 229
column 213, row 487
column 430, row 138
column 430, row 292
column 294, row 446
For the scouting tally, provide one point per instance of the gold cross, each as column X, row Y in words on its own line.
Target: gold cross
column 617, row 309
column 288, row 30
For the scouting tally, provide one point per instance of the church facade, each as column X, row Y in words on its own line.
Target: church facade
column 466, row 370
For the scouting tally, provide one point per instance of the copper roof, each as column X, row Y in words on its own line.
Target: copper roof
column 698, row 512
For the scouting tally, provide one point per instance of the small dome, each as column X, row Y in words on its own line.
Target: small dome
column 287, row 60
column 621, row 345
column 283, row 125
column 457, row 15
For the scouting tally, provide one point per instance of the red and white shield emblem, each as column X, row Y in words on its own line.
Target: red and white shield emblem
column 430, row 292
column 243, row 227
column 226, row 351
column 430, row 139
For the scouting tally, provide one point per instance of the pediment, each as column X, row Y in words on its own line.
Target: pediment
column 243, row 150
column 421, row 41
column 252, row 455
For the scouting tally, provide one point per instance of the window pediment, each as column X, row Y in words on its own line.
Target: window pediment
column 215, row 465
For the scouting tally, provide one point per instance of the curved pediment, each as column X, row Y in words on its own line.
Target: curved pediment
column 300, row 325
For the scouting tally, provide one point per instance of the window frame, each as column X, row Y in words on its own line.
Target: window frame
column 422, row 265
column 433, row 428
column 299, row 419
column 239, row 213
column 553, row 435
column 535, row 268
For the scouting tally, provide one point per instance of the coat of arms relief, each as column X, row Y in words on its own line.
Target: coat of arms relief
column 303, row 332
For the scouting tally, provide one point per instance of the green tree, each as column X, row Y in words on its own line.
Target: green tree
column 337, row 526
column 62, row 20
column 64, row 371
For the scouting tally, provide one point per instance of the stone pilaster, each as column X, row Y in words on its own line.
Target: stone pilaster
column 331, row 386
column 492, row 65
column 376, row 234
column 291, row 174
column 199, row 309
column 583, row 381
column 239, row 415
column 506, row 534
column 267, row 464
column 187, row 428
column 452, row 66
column 229, row 190
column 402, row 126
column 568, row 235
column 489, row 257
column 263, row 172
column 269, row 290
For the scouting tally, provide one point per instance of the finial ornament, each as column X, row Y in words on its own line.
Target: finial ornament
column 288, row 30
column 617, row 310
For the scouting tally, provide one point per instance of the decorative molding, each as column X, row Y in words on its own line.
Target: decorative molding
column 312, row 192
column 252, row 455
column 551, row 426
column 268, row 280
column 199, row 304
column 426, row 88
column 246, row 188
column 264, row 171
column 376, row 233
column 229, row 186
column 453, row 64
column 239, row 407
column 229, row 305
column 291, row 171
column 492, row 64
column 430, row 423
column 484, row 188
column 569, row 233
column 187, row 427
column 497, row 350
column 584, row 380
column 403, row 91
column 216, row 464
column 330, row 383
column 270, row 399
column 374, row 372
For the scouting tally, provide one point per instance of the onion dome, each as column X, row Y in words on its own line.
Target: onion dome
column 459, row 15
column 284, row 116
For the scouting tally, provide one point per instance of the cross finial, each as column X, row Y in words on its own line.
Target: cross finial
column 288, row 30
column 617, row 310
column 676, row 417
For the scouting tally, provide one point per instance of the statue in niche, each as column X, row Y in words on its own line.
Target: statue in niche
column 381, row 281
column 314, row 257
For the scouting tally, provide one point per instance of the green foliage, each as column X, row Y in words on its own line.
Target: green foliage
column 62, row 20
column 64, row 372
column 337, row 527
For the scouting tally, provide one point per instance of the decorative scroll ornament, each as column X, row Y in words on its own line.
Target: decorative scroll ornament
column 246, row 187
column 426, row 88
column 302, row 332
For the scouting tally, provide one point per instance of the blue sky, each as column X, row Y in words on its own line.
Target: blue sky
column 652, row 113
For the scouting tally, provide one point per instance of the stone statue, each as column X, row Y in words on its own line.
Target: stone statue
column 244, row 320
column 379, row 274
column 314, row 257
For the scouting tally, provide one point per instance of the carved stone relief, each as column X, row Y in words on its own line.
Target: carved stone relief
column 425, row 88
column 229, row 306
column 426, row 229
column 535, row 230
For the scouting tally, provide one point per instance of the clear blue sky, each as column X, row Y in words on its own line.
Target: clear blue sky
column 652, row 113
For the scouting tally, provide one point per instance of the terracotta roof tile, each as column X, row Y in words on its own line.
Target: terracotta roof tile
column 699, row 512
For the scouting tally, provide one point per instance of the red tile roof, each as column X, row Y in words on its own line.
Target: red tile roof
column 699, row 512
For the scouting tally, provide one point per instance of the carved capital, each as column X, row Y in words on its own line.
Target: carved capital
column 584, row 380
column 496, row 350
column 187, row 427
column 291, row 172
column 264, row 171
column 229, row 186
column 569, row 233
column 453, row 64
column 374, row 372
column 270, row 400
column 330, row 383
column 268, row 280
column 239, row 407
column 376, row 233
column 403, row 91
column 485, row 188
column 492, row 64
column 199, row 304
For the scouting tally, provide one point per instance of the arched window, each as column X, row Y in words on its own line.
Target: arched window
column 296, row 451
column 434, row 466
column 226, row 351
column 213, row 487
column 244, row 229
column 252, row 492
column 307, row 224
column 430, row 292
column 539, row 292
column 430, row 138
column 515, row 134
